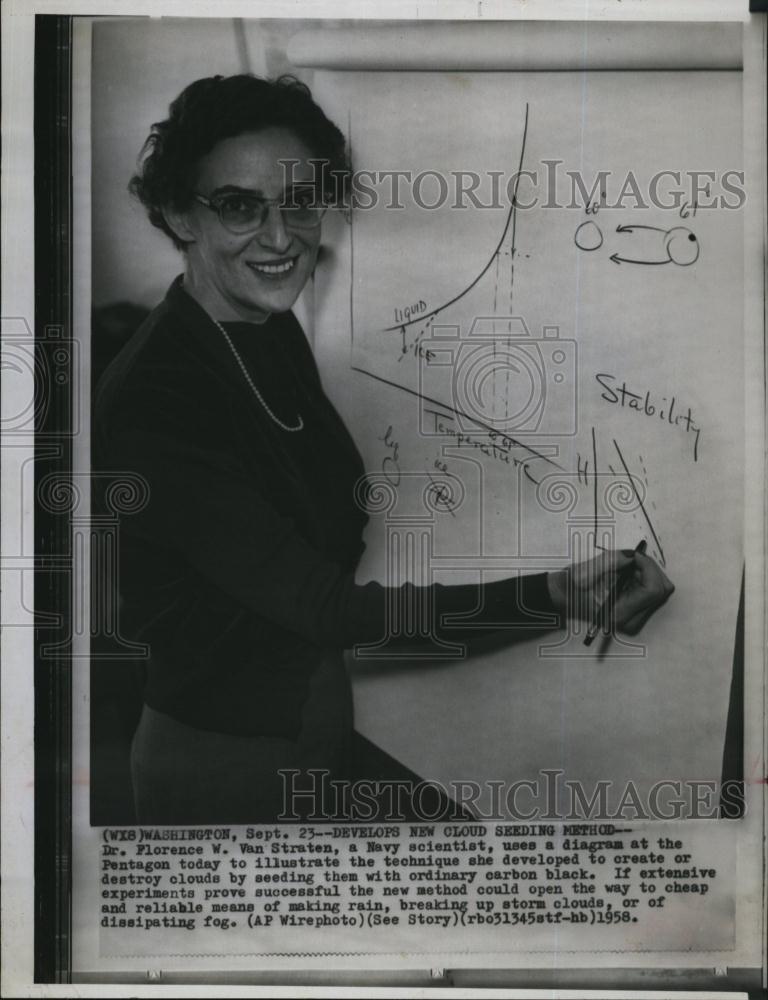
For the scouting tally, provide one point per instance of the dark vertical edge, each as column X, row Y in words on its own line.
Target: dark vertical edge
column 732, row 805
column 53, row 456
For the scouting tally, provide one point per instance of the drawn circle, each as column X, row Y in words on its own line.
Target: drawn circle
column 60, row 356
column 504, row 387
column 558, row 357
column 559, row 377
column 588, row 236
column 681, row 246
column 61, row 378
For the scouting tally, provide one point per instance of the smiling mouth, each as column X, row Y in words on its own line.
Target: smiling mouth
column 274, row 269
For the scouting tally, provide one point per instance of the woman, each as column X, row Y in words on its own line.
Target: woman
column 239, row 571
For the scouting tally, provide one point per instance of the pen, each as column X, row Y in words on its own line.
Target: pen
column 620, row 582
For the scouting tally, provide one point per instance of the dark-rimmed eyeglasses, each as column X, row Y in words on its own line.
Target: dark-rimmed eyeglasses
column 241, row 212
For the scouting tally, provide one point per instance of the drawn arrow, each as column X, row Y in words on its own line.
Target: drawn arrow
column 618, row 259
column 631, row 229
column 677, row 248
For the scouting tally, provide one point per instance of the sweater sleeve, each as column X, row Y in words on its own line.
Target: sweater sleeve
column 202, row 508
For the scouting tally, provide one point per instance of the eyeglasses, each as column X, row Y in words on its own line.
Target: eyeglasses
column 245, row 213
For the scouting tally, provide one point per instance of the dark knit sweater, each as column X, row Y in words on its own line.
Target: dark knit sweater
column 239, row 570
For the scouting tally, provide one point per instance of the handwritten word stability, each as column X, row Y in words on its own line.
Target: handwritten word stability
column 644, row 403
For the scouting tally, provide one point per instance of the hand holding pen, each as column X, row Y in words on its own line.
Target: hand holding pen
column 605, row 616
column 618, row 588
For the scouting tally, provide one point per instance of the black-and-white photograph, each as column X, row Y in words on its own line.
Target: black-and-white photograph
column 383, row 490
column 441, row 369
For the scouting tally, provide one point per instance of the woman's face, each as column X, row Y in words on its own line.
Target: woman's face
column 247, row 277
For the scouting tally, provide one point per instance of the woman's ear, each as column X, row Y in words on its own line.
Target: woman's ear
column 178, row 223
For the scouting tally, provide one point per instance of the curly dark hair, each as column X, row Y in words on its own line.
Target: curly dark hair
column 217, row 108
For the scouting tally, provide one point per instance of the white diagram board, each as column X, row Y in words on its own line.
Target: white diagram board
column 607, row 342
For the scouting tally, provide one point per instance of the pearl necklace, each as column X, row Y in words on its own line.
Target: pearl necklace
column 252, row 384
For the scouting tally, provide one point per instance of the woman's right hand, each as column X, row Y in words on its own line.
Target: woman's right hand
column 580, row 590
